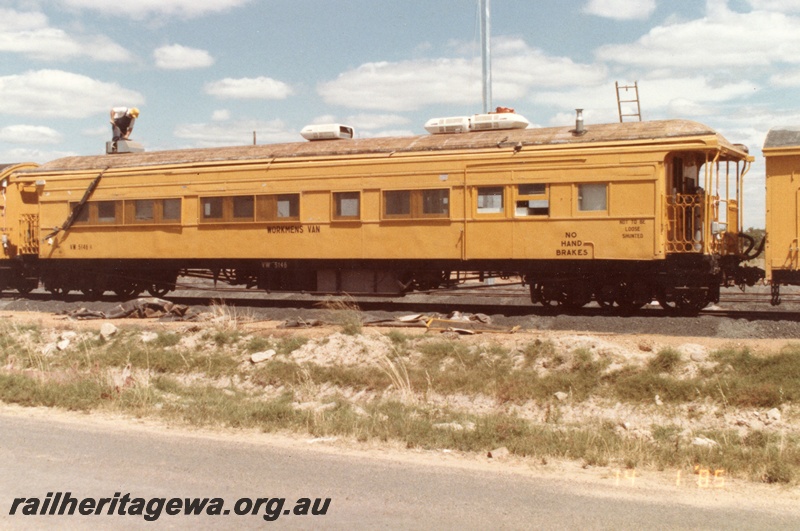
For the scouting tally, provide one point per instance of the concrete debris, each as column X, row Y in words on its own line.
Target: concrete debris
column 498, row 453
column 455, row 322
column 148, row 337
column 107, row 330
column 301, row 323
column 63, row 344
column 144, row 307
column 704, row 442
column 694, row 351
column 774, row 415
column 561, row 396
column 69, row 334
column 455, row 426
column 258, row 357
column 123, row 379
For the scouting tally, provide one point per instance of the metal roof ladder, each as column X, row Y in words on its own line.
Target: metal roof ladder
column 628, row 108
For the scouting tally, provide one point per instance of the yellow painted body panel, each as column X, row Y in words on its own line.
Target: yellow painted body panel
column 782, row 216
column 631, row 224
column 17, row 201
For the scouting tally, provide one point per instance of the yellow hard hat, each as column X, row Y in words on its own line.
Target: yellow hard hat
column 134, row 112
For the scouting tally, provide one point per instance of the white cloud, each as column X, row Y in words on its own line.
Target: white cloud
column 325, row 119
column 237, row 133
column 690, row 97
column 55, row 93
column 33, row 155
column 721, row 39
column 249, row 88
column 786, row 79
column 11, row 20
column 785, row 6
column 410, row 85
column 177, row 57
column 387, row 133
column 29, row 134
column 28, row 33
column 375, row 121
column 621, row 9
column 143, row 8
column 221, row 115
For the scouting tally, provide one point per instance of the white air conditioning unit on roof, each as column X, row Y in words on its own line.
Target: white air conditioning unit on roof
column 452, row 124
column 499, row 120
column 327, row 132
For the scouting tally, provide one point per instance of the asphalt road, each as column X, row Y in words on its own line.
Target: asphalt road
column 41, row 455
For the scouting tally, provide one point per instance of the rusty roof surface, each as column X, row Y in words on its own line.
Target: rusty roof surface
column 779, row 137
column 615, row 132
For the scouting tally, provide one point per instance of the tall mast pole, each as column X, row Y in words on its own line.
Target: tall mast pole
column 486, row 55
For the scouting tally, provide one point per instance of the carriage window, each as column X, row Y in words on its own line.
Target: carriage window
column 106, row 211
column 346, row 205
column 83, row 216
column 490, row 200
column 416, row 203
column 152, row 211
column 436, row 202
column 143, row 210
column 532, row 200
column 243, row 207
column 397, row 203
column 171, row 209
column 282, row 207
column 288, row 206
column 592, row 197
column 212, row 208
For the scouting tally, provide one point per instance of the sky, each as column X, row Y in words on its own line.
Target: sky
column 210, row 72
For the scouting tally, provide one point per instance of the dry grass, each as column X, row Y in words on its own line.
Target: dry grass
column 214, row 383
column 344, row 312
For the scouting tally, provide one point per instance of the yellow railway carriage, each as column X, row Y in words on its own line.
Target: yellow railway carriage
column 782, row 153
column 19, row 231
column 616, row 213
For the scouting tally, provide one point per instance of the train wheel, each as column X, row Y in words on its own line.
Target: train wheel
column 58, row 291
column 632, row 296
column 605, row 296
column 577, row 296
column 691, row 303
column 127, row 292
column 92, row 293
column 552, row 295
column 26, row 286
column 686, row 302
column 159, row 290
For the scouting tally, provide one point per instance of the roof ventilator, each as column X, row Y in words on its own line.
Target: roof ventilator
column 579, row 130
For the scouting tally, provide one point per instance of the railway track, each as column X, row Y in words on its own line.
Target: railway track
column 509, row 307
column 506, row 298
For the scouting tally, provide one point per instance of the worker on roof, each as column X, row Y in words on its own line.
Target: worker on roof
column 122, row 119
